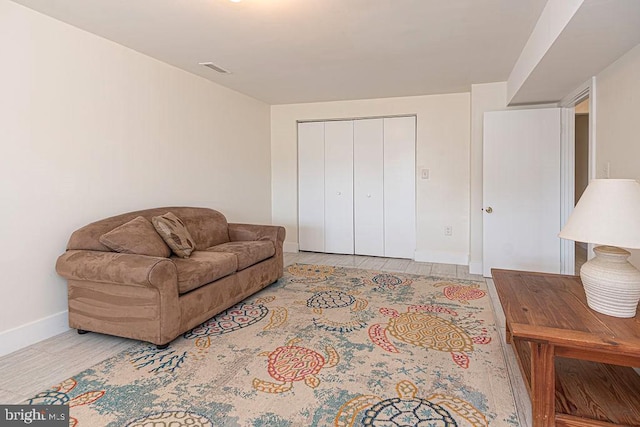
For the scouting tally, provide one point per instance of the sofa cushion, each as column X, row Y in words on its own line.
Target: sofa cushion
column 137, row 236
column 203, row 267
column 248, row 252
column 208, row 227
column 175, row 233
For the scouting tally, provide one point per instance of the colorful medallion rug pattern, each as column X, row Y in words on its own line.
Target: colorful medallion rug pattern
column 324, row 346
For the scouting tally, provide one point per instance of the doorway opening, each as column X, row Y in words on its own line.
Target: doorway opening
column 579, row 116
column 581, row 170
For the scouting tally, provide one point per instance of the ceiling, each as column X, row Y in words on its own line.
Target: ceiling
column 293, row 51
column 599, row 33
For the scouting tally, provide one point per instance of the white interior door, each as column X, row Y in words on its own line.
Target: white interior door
column 400, row 187
column 311, row 186
column 338, row 187
column 368, row 187
column 521, row 190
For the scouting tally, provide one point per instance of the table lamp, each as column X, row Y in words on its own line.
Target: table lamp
column 608, row 214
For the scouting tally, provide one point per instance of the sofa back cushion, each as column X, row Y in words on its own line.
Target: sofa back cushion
column 208, row 227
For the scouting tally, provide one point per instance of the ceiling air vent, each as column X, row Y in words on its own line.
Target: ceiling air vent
column 214, row 67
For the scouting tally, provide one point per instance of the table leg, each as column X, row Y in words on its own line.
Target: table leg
column 543, row 385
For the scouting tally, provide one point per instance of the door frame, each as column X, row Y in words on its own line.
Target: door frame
column 567, row 166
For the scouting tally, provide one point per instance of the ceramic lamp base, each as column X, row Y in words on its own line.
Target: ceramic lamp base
column 611, row 283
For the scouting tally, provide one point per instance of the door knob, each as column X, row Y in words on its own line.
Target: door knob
column 339, row 193
column 488, row 210
column 368, row 196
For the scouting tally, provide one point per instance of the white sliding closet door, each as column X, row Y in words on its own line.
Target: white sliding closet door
column 311, row 186
column 368, row 164
column 338, row 187
column 399, row 187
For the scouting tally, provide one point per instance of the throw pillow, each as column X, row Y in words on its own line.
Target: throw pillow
column 175, row 234
column 136, row 237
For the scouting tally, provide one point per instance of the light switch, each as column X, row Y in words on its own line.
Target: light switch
column 424, row 173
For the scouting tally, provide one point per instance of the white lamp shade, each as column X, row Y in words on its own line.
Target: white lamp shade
column 608, row 213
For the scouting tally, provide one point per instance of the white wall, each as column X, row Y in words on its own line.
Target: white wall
column 617, row 124
column 443, row 134
column 91, row 129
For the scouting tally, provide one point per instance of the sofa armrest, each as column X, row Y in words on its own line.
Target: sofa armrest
column 243, row 232
column 113, row 267
column 134, row 296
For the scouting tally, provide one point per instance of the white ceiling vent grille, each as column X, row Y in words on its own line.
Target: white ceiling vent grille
column 214, row 67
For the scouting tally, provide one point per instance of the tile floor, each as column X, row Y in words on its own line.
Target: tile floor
column 38, row 367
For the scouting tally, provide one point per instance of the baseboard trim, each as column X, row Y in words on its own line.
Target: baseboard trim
column 33, row 332
column 290, row 247
column 442, row 257
column 475, row 267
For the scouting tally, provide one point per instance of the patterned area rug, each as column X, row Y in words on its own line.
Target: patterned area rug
column 325, row 346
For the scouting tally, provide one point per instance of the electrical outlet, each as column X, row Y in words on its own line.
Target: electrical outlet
column 448, row 230
column 424, row 173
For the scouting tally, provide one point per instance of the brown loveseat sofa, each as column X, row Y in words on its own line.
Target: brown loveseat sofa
column 156, row 299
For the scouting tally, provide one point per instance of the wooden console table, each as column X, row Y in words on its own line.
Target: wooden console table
column 576, row 362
